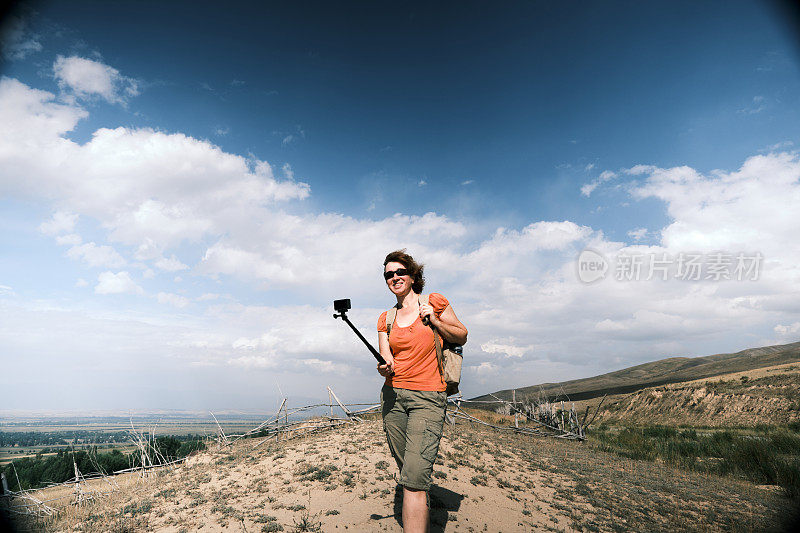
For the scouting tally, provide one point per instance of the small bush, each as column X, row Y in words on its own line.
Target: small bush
column 166, row 493
column 315, row 473
column 479, row 480
column 307, row 523
column 137, row 508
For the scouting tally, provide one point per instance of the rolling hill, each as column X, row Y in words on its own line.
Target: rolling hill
column 657, row 373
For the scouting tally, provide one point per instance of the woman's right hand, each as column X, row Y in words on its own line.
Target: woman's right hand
column 386, row 352
column 386, row 370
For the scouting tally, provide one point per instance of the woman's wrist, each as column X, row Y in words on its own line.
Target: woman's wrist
column 443, row 327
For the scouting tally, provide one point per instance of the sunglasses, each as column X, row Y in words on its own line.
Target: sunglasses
column 389, row 274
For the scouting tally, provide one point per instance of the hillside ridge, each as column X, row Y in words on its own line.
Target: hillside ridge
column 661, row 372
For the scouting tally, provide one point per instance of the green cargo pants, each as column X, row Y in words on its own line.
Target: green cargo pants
column 413, row 422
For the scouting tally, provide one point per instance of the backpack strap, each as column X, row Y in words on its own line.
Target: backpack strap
column 391, row 314
column 437, row 341
column 423, row 299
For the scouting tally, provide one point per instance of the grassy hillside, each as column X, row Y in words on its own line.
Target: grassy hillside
column 657, row 373
column 765, row 396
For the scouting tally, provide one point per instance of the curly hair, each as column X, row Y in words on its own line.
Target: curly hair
column 416, row 269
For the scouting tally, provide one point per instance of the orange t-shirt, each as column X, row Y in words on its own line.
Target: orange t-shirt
column 414, row 351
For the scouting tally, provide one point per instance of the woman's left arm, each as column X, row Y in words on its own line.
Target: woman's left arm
column 449, row 326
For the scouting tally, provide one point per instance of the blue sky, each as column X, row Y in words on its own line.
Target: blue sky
column 208, row 180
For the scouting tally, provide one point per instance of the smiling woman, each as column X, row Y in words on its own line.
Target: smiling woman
column 413, row 399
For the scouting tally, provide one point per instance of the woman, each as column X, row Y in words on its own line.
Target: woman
column 413, row 399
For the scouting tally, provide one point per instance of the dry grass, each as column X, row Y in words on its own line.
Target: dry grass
column 486, row 481
column 763, row 396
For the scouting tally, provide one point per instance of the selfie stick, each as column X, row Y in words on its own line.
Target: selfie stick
column 342, row 307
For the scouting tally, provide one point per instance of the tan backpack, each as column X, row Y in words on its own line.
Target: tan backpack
column 449, row 356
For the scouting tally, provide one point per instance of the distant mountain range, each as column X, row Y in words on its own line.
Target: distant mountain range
column 656, row 373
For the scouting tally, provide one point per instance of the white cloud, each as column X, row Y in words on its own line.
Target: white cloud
column 71, row 239
column 147, row 187
column 791, row 329
column 96, row 256
column 751, row 209
column 467, row 182
column 289, row 138
column 173, row 264
column 328, row 367
column 526, row 279
column 588, row 188
column 301, row 365
column 638, row 170
column 208, row 296
column 16, row 41
column 175, row 300
column 5, row 289
column 422, row 183
column 253, row 361
column 757, row 105
column 286, row 251
column 119, row 283
column 782, row 145
column 484, row 369
column 508, row 349
column 81, row 283
column 86, row 78
column 61, row 222
column 33, row 129
column 609, row 325
column 514, row 246
column 287, row 171
column 647, row 324
column 162, row 194
column 638, row 234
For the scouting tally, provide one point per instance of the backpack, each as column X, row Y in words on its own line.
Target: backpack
column 448, row 355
